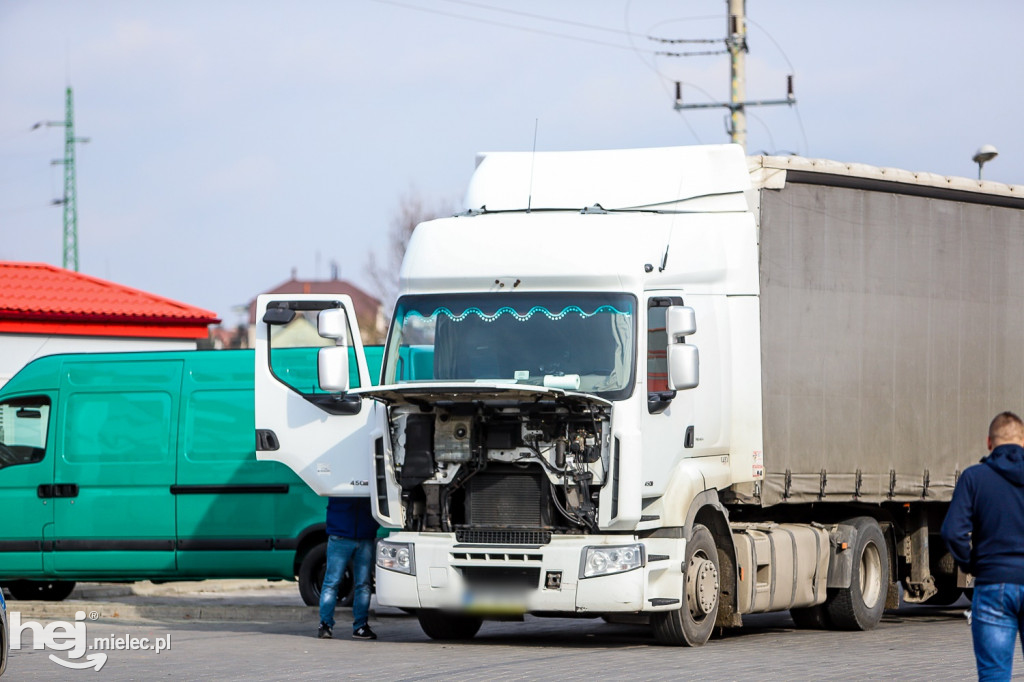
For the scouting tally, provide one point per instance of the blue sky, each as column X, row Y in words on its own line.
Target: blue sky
column 234, row 141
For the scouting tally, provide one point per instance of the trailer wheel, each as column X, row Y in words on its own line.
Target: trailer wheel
column 860, row 606
column 452, row 626
column 311, row 578
column 43, row 590
column 692, row 624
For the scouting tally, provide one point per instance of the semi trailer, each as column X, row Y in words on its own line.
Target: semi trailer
column 678, row 385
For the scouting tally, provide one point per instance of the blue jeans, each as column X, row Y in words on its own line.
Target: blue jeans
column 339, row 551
column 997, row 613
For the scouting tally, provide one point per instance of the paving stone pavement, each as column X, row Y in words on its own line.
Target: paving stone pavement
column 914, row 643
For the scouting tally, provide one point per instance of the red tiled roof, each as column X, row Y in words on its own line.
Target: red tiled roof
column 37, row 298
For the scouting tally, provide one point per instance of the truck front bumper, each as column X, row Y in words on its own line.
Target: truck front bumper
column 509, row 579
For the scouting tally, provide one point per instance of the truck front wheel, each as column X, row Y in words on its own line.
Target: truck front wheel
column 860, row 606
column 451, row 626
column 692, row 624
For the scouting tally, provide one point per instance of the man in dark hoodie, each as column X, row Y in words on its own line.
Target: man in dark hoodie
column 984, row 530
column 351, row 534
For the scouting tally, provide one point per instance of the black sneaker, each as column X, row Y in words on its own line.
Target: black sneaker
column 364, row 633
column 324, row 631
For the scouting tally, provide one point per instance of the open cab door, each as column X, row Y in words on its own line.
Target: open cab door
column 309, row 357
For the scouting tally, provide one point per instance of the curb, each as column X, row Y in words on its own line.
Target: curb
column 41, row 610
column 112, row 610
column 66, row 611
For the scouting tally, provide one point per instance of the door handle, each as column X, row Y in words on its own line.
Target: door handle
column 47, row 490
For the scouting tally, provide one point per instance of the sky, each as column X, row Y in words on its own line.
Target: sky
column 232, row 142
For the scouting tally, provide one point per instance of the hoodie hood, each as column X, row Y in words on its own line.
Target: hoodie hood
column 1008, row 461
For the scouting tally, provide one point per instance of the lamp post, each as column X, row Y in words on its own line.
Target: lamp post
column 984, row 154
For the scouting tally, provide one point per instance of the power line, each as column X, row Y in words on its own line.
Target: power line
column 504, row 25
column 531, row 15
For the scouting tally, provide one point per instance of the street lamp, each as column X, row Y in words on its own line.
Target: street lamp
column 984, row 154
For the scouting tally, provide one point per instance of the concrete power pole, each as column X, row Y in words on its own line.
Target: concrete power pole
column 736, row 45
column 736, row 42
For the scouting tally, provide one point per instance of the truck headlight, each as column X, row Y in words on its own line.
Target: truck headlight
column 602, row 560
column 396, row 556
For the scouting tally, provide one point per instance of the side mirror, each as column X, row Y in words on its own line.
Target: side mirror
column 278, row 316
column 332, row 368
column 333, row 324
column 680, row 320
column 683, row 366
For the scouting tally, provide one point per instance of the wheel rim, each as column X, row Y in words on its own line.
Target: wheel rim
column 870, row 575
column 701, row 586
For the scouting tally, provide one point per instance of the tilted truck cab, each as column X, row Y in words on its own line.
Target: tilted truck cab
column 651, row 383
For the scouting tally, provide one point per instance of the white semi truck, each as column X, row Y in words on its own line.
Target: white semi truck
column 677, row 384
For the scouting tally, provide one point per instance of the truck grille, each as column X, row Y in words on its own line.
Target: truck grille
column 500, row 536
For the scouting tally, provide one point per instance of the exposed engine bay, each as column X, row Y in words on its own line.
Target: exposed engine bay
column 472, row 462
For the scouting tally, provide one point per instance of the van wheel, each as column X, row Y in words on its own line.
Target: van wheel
column 311, row 578
column 860, row 606
column 43, row 590
column 692, row 624
column 443, row 625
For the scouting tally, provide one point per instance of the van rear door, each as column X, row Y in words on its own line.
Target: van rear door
column 328, row 438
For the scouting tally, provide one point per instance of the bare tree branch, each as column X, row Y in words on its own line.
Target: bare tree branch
column 382, row 270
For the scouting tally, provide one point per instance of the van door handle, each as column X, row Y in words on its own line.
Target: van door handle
column 58, row 490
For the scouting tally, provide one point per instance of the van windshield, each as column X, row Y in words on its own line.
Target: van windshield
column 575, row 341
column 23, row 426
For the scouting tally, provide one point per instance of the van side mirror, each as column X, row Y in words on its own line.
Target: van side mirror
column 332, row 368
column 333, row 324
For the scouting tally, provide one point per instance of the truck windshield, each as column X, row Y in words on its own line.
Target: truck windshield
column 575, row 341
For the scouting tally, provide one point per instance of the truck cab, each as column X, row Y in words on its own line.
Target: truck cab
column 553, row 419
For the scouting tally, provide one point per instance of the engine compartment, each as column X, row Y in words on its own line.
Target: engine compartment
column 501, row 468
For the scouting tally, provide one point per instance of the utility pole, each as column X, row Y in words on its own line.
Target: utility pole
column 69, row 200
column 736, row 44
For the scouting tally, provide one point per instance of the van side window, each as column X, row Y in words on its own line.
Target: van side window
column 23, row 427
column 118, row 427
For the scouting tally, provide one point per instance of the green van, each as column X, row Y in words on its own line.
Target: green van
column 141, row 466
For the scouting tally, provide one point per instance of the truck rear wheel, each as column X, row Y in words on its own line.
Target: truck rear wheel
column 860, row 606
column 443, row 625
column 691, row 625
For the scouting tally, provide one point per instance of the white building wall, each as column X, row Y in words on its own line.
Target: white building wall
column 17, row 350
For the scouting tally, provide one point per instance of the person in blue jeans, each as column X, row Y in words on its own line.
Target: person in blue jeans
column 351, row 534
column 984, row 531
